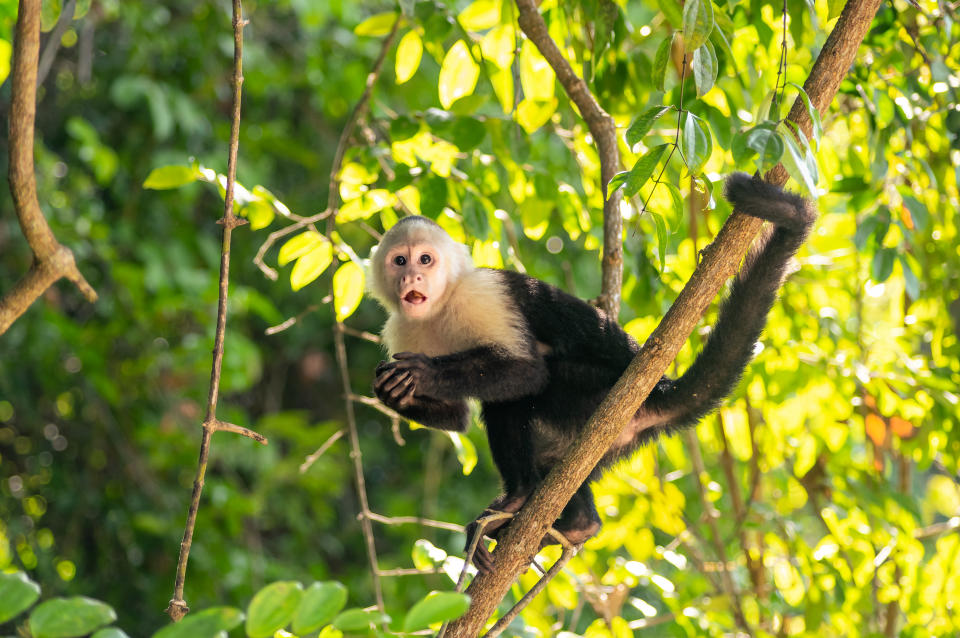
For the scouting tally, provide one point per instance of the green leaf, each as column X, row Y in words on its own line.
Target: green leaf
column 300, row 245
column 480, row 15
column 347, row 289
column 697, row 23
column 768, row 145
column 409, row 54
column 356, row 620
column 377, row 25
column 272, row 608
column 918, row 211
column 426, row 555
column 813, row 113
column 259, row 212
column 110, row 632
column 617, row 181
column 458, row 74
column 174, row 176
column 643, row 169
column 660, row 60
column 795, row 162
column 17, row 593
column 911, row 282
column 436, row 607
column 642, row 125
column 704, row 67
column 466, row 452
column 320, row 603
column 403, row 127
column 209, row 623
column 69, row 617
column 467, row 133
column 677, row 199
column 697, row 143
column 661, row 236
column 311, row 265
column 49, row 14
column 882, row 265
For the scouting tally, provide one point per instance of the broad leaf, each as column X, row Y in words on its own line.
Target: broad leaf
column 311, row 265
column 813, row 113
column 697, row 143
column 347, row 289
column 357, row 620
column 642, row 125
column 409, row 53
column 272, row 608
column 697, row 23
column 643, row 169
column 458, row 74
column 69, row 617
column 319, row 604
column 660, row 61
column 209, row 623
column 299, row 245
column 436, row 607
column 17, row 593
column 166, row 177
column 704, row 67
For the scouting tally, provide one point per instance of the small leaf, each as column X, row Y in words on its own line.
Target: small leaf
column 660, row 60
column 643, row 169
column 617, row 181
column 498, row 46
column 174, row 176
column 661, row 237
column 311, row 265
column 697, row 23
column 272, row 608
column 299, row 245
column 468, row 133
column 466, row 452
column 49, row 14
column 260, row 213
column 17, row 593
column 357, row 620
column 69, row 617
column 911, row 282
column 110, row 632
column 642, row 125
column 532, row 114
column 919, row 215
column 347, row 289
column 458, row 74
column 436, row 607
column 426, row 555
column 480, row 15
column 409, row 54
column 704, row 67
column 697, row 143
column 882, row 265
column 813, row 113
column 209, row 623
column 767, row 143
column 377, row 25
column 320, row 603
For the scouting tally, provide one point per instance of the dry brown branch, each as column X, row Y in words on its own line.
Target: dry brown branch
column 603, row 129
column 521, row 537
column 310, row 460
column 414, row 520
column 178, row 608
column 51, row 260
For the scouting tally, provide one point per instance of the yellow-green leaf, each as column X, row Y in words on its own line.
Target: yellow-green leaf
column 260, row 213
column 377, row 25
column 6, row 51
column 458, row 74
column 498, row 46
column 480, row 15
column 536, row 76
column 532, row 114
column 166, row 177
column 409, row 53
column 299, row 245
column 311, row 265
column 347, row 289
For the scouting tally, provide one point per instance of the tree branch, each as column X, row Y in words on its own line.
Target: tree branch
column 521, row 538
column 603, row 129
column 51, row 260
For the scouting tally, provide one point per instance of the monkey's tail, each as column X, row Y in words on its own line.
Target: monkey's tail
column 743, row 314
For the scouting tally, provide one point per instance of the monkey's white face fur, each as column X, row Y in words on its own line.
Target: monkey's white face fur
column 414, row 266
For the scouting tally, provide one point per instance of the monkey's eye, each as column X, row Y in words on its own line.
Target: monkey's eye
column 400, row 260
column 425, row 259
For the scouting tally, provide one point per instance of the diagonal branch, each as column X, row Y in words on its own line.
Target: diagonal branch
column 603, row 129
column 51, row 260
column 521, row 538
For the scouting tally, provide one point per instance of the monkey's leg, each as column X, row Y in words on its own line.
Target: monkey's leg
column 579, row 520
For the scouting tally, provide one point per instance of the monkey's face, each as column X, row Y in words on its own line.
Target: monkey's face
column 417, row 273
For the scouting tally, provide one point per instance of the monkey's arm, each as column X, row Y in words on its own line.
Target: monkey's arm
column 487, row 373
column 442, row 415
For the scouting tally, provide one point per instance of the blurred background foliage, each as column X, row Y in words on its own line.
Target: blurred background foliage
column 827, row 486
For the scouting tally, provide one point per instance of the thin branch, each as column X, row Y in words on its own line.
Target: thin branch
column 520, row 538
column 178, row 608
column 603, row 129
column 414, row 520
column 53, row 41
column 310, row 460
column 51, row 260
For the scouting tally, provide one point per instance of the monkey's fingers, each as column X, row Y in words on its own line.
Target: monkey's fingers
column 406, row 399
column 483, row 558
column 391, row 381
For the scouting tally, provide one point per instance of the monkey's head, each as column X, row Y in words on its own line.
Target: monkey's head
column 414, row 266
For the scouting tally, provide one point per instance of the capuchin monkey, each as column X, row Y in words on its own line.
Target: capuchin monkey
column 540, row 361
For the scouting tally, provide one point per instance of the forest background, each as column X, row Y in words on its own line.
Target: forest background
column 822, row 499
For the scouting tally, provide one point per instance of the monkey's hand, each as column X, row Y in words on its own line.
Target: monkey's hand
column 397, row 381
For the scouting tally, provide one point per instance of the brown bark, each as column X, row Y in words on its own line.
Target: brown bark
column 522, row 537
column 603, row 129
column 51, row 261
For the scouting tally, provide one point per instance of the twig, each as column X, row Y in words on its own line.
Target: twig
column 51, row 260
column 272, row 238
column 178, row 608
column 310, row 460
column 53, row 41
column 413, row 520
column 604, row 131
column 280, row 327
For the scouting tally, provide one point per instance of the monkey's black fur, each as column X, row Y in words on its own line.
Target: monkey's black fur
column 535, row 406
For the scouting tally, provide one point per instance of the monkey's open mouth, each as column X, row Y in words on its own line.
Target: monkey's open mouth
column 414, row 297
